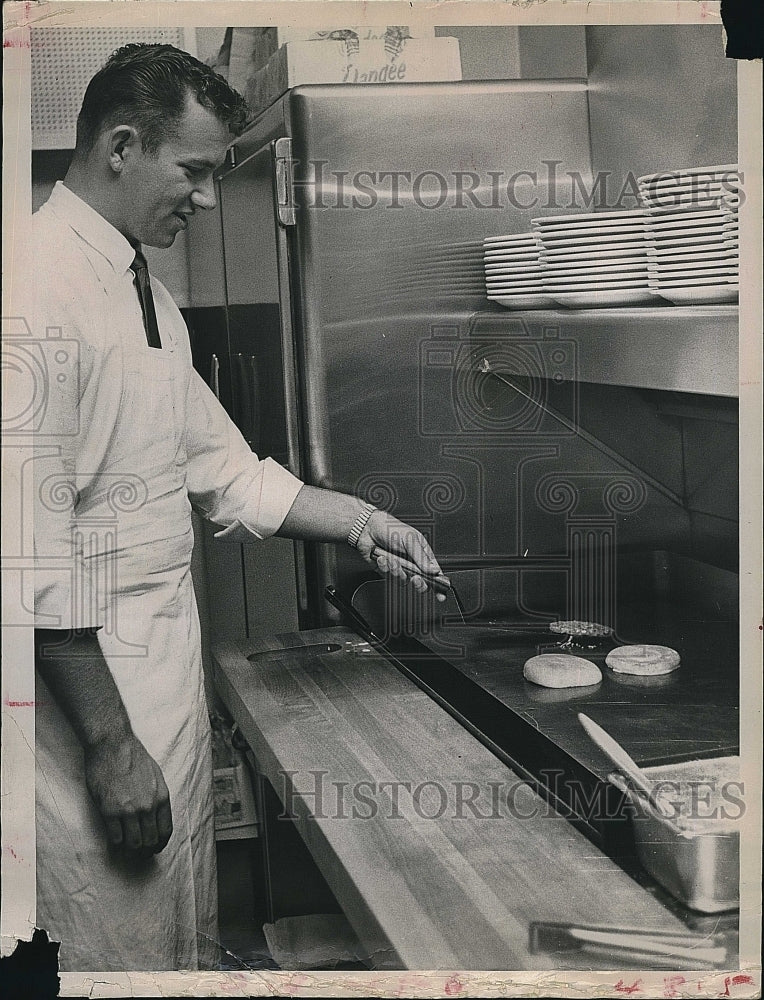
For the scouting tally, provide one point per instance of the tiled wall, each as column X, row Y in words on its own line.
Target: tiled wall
column 710, row 448
column 690, row 444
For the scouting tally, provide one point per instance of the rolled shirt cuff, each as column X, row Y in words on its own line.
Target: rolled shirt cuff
column 264, row 513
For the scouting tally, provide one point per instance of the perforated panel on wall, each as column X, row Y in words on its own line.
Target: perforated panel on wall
column 63, row 62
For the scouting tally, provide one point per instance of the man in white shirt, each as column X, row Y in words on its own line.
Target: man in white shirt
column 129, row 440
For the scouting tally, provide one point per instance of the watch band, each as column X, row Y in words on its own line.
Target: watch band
column 359, row 524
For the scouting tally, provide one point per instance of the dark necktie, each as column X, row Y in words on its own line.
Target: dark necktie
column 143, row 287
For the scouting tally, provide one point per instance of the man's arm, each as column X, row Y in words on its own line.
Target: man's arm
column 124, row 781
column 327, row 516
column 231, row 486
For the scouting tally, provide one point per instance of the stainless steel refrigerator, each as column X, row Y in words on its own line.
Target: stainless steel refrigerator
column 340, row 312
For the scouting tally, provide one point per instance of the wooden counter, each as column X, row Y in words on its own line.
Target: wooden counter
column 444, row 877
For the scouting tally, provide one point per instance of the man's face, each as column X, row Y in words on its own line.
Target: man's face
column 162, row 189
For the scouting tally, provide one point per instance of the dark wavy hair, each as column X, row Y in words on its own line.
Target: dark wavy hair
column 147, row 86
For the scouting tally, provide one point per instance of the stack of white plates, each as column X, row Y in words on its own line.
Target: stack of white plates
column 513, row 272
column 693, row 254
column 595, row 258
column 709, row 187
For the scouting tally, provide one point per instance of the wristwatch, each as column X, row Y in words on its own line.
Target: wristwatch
column 359, row 524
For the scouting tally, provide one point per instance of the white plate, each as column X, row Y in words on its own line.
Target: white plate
column 581, row 300
column 503, row 278
column 507, row 255
column 502, row 267
column 691, row 212
column 683, row 277
column 585, row 232
column 508, row 279
column 711, row 225
column 672, row 256
column 722, row 170
column 726, row 205
column 525, row 274
column 493, row 241
column 699, row 183
column 703, row 225
column 537, row 289
column 513, row 286
column 689, row 235
column 524, row 301
column 619, row 264
column 504, row 253
column 708, row 293
column 592, row 286
column 596, row 254
column 698, row 282
column 680, row 273
column 585, row 217
column 722, row 240
column 604, row 275
column 610, row 277
column 617, row 242
column 691, row 195
column 693, row 256
column 695, row 189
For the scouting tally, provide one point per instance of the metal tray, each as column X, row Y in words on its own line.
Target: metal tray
column 700, row 866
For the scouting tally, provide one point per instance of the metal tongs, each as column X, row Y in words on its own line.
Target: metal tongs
column 441, row 584
column 438, row 581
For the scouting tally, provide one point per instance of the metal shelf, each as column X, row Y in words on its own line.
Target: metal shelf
column 684, row 349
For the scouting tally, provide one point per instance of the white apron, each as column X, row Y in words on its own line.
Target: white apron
column 161, row 913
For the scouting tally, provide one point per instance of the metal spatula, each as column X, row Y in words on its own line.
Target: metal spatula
column 618, row 755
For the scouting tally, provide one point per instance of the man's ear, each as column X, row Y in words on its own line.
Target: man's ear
column 123, row 142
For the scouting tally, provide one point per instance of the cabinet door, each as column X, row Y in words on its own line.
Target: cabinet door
column 206, row 316
column 263, row 392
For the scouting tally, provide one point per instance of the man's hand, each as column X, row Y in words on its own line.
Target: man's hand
column 385, row 542
column 125, row 783
column 129, row 790
column 396, row 548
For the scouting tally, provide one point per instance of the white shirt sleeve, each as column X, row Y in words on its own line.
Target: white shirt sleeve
column 226, row 480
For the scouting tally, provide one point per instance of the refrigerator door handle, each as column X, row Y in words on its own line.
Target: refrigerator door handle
column 215, row 376
column 248, row 396
column 282, row 158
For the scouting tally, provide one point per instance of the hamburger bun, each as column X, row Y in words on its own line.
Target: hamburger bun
column 643, row 660
column 561, row 670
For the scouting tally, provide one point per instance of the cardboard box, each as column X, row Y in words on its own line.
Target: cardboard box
column 234, row 799
column 419, row 61
column 251, row 48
